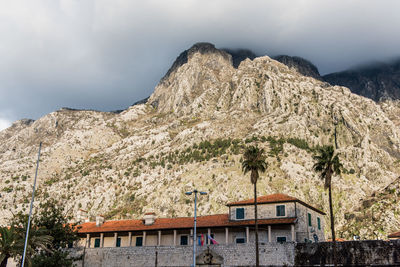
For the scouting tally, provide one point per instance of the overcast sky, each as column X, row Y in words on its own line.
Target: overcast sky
column 107, row 54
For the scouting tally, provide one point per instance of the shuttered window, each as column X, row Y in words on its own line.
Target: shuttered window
column 280, row 210
column 281, row 239
column 240, row 213
column 184, row 240
column 97, row 243
column 139, row 241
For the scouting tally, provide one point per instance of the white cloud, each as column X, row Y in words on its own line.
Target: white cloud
column 106, row 55
column 4, row 124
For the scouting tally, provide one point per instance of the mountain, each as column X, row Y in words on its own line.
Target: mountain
column 375, row 81
column 301, row 65
column 190, row 134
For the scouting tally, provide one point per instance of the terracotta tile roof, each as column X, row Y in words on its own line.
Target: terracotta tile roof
column 394, row 235
column 338, row 239
column 274, row 198
column 264, row 199
column 218, row 220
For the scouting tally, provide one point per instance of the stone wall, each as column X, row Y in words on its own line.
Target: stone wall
column 351, row 253
column 233, row 255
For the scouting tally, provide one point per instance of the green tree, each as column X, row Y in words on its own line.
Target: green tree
column 38, row 239
column 328, row 164
column 254, row 162
column 55, row 224
column 10, row 244
column 49, row 235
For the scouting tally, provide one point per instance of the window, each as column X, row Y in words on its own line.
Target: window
column 281, row 239
column 97, row 243
column 184, row 240
column 118, row 242
column 280, row 210
column 240, row 240
column 319, row 223
column 139, row 241
column 239, row 213
column 309, row 219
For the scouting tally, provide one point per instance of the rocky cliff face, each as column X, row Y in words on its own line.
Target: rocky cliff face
column 377, row 81
column 190, row 134
column 301, row 65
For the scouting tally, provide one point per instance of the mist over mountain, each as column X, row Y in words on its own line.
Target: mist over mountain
column 301, row 65
column 376, row 81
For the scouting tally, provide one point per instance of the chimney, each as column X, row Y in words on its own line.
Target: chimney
column 82, row 216
column 149, row 218
column 99, row 220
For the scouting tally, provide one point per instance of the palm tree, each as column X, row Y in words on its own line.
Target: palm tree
column 254, row 161
column 38, row 239
column 328, row 164
column 10, row 244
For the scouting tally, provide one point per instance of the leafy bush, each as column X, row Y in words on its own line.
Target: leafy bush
column 300, row 143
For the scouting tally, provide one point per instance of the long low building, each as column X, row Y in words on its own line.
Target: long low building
column 281, row 218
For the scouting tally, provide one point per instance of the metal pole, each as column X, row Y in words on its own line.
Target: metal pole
column 30, row 210
column 195, row 234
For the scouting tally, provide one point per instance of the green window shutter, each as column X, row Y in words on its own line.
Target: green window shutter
column 139, row 241
column 280, row 210
column 240, row 240
column 281, row 239
column 319, row 223
column 309, row 219
column 118, row 242
column 240, row 213
column 184, row 240
column 97, row 243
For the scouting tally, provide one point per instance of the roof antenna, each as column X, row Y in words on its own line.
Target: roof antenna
column 30, row 210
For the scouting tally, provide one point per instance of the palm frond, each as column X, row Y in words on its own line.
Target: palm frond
column 254, row 162
column 327, row 163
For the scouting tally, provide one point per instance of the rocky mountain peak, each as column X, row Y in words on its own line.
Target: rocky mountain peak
column 184, row 81
column 202, row 48
column 301, row 65
column 239, row 55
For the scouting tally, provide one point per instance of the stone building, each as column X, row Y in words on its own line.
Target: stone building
column 281, row 218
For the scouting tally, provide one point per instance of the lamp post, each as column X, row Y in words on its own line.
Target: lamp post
column 195, row 221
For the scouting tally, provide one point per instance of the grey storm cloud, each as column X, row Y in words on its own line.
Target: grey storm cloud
column 106, row 55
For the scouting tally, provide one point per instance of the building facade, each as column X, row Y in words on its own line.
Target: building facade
column 281, row 218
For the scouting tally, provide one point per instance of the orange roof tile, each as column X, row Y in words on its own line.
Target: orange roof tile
column 338, row 239
column 274, row 198
column 218, row 220
column 394, row 235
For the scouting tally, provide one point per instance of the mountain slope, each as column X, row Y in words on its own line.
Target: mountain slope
column 376, row 81
column 301, row 65
column 190, row 134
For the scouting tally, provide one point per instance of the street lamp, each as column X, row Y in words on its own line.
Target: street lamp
column 195, row 220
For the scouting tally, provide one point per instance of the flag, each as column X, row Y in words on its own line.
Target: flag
column 202, row 239
column 213, row 240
